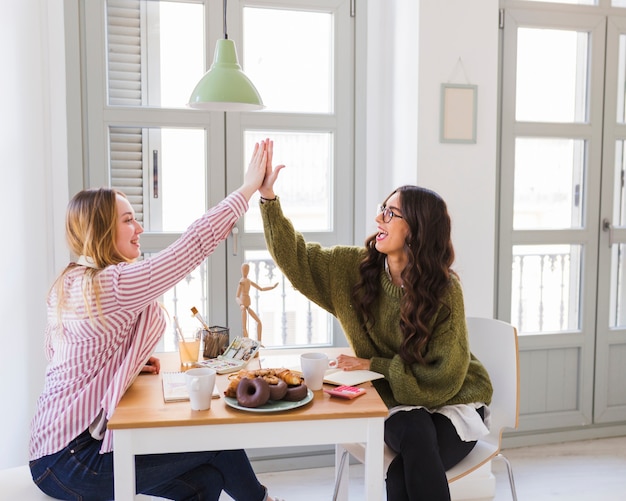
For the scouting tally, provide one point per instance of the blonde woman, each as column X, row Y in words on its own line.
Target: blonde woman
column 103, row 325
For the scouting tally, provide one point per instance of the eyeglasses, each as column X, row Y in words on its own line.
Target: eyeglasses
column 387, row 213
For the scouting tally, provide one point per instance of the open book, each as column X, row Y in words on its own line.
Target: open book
column 175, row 387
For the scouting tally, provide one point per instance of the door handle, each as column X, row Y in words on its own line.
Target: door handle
column 155, row 173
column 235, row 233
column 607, row 226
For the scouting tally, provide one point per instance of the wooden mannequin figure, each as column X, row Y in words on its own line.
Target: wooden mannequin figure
column 243, row 300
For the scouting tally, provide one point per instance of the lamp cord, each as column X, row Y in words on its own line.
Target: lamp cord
column 225, row 30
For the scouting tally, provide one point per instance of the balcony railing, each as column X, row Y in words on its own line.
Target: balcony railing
column 544, row 293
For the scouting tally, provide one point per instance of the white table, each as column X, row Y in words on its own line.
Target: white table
column 144, row 424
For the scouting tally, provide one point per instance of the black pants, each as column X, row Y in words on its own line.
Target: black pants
column 427, row 445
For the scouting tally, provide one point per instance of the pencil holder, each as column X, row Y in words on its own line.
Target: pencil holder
column 215, row 341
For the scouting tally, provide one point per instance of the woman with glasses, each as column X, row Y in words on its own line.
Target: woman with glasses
column 401, row 308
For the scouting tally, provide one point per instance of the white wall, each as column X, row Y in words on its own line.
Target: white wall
column 391, row 102
column 405, row 68
column 464, row 174
column 32, row 149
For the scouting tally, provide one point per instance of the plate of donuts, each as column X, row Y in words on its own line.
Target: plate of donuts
column 271, row 405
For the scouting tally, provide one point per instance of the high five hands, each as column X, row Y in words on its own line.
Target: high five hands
column 271, row 173
column 260, row 174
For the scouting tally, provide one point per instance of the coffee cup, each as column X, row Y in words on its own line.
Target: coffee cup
column 200, row 383
column 314, row 366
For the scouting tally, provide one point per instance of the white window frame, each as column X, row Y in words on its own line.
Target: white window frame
column 224, row 131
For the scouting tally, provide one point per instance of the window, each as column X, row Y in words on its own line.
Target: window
column 143, row 58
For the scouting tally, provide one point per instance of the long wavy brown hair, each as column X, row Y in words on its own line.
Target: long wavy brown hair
column 430, row 253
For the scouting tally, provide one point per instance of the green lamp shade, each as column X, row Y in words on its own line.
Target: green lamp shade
column 225, row 87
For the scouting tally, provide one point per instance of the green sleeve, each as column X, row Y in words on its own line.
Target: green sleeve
column 311, row 268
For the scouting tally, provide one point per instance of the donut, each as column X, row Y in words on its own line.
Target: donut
column 278, row 390
column 296, row 393
column 253, row 392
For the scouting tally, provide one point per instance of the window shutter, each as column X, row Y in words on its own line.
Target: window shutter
column 124, row 33
column 127, row 165
column 125, row 89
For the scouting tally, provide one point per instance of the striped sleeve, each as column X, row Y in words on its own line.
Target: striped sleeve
column 134, row 285
column 96, row 352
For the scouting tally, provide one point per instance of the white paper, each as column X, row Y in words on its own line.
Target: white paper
column 340, row 377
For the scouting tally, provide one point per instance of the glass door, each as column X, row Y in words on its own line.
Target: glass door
column 610, row 398
column 551, row 172
column 563, row 218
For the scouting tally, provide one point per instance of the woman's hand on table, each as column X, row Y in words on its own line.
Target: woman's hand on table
column 348, row 363
column 153, row 366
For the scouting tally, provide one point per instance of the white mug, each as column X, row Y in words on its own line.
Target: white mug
column 200, row 383
column 314, row 367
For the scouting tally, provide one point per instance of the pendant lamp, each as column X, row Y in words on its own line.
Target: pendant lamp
column 225, row 87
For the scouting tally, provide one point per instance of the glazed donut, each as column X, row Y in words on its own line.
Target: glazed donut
column 278, row 390
column 253, row 392
column 295, row 393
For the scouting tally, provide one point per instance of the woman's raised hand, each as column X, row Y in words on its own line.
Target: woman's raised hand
column 271, row 173
column 256, row 172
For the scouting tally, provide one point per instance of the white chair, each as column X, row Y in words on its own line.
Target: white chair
column 494, row 343
column 16, row 483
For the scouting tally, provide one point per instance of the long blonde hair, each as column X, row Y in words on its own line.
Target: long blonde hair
column 91, row 230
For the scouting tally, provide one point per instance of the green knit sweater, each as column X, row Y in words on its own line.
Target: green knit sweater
column 451, row 374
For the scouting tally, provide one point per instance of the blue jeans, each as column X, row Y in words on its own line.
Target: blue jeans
column 80, row 472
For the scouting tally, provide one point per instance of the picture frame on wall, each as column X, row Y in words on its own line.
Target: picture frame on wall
column 458, row 113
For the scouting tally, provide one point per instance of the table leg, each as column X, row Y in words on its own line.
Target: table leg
column 123, row 465
column 374, row 460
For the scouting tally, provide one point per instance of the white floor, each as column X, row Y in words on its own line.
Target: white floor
column 593, row 470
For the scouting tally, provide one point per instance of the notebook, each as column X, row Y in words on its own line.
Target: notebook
column 339, row 377
column 175, row 388
column 236, row 356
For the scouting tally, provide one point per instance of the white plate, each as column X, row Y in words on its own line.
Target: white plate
column 271, row 406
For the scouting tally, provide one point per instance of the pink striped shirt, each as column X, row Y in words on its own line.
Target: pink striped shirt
column 92, row 362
